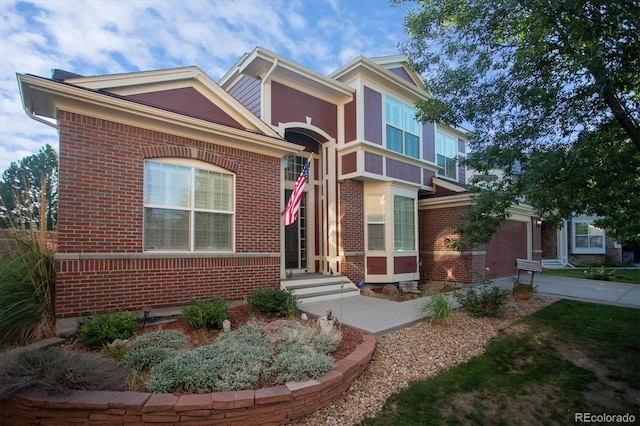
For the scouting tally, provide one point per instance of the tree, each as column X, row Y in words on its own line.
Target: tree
column 552, row 86
column 24, row 185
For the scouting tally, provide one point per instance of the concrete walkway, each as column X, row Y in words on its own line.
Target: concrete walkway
column 380, row 317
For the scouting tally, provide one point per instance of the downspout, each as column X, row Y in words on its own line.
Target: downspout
column 264, row 108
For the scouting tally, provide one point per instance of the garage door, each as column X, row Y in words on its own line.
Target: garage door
column 507, row 245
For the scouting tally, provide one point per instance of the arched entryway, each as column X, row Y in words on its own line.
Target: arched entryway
column 305, row 242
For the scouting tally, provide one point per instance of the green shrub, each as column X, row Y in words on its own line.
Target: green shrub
column 438, row 305
column 298, row 363
column 601, row 274
column 169, row 339
column 235, row 361
column 485, row 301
column 56, row 370
column 275, row 302
column 143, row 359
column 101, row 329
column 314, row 338
column 210, row 315
column 27, row 290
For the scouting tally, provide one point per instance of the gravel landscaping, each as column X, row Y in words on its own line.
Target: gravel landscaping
column 417, row 352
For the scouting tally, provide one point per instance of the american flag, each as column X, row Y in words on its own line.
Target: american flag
column 291, row 212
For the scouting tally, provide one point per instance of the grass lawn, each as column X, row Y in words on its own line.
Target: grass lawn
column 629, row 276
column 570, row 357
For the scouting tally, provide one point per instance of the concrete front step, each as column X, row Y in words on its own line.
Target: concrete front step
column 319, row 287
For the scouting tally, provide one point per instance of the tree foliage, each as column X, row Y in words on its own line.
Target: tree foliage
column 23, row 186
column 552, row 86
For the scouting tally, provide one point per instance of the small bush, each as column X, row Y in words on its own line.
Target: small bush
column 105, row 328
column 55, row 370
column 314, row 338
column 601, row 274
column 519, row 288
column 169, row 339
column 145, row 358
column 271, row 301
column 235, row 361
column 298, row 363
column 486, row 301
column 438, row 305
column 210, row 315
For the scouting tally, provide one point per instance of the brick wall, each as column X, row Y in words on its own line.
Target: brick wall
column 351, row 232
column 101, row 264
column 268, row 406
column 441, row 264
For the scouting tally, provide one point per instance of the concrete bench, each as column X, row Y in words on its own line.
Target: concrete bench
column 532, row 266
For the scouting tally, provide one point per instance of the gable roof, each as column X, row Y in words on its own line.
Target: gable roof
column 148, row 87
column 117, row 97
column 264, row 64
column 381, row 71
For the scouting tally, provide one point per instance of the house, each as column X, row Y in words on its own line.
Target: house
column 173, row 185
column 578, row 241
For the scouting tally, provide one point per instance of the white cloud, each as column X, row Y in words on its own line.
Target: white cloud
column 98, row 37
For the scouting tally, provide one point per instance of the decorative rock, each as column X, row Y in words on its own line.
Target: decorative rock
column 390, row 290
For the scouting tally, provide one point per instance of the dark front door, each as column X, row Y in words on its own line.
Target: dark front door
column 295, row 241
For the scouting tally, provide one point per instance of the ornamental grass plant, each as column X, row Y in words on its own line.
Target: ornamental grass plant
column 27, row 280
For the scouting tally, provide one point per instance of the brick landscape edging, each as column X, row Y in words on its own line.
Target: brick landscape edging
column 268, row 406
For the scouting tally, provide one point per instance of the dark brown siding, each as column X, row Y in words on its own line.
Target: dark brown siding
column 288, row 105
column 350, row 124
column 187, row 101
column 402, row 73
column 373, row 163
column 405, row 264
column 376, row 265
column 372, row 116
column 428, row 142
column 399, row 170
column 349, row 163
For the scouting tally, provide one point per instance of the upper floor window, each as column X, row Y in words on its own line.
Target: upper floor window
column 188, row 206
column 446, row 155
column 403, row 131
column 587, row 239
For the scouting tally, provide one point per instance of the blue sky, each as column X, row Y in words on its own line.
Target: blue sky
column 104, row 37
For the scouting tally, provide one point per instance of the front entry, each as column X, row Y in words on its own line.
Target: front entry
column 295, row 237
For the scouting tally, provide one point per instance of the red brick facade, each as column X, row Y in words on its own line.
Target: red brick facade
column 351, row 232
column 442, row 265
column 101, row 264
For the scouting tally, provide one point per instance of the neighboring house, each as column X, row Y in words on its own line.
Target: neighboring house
column 172, row 185
column 577, row 241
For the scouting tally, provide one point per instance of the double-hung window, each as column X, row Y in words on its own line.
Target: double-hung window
column 446, row 155
column 404, row 228
column 188, row 206
column 375, row 222
column 403, row 131
column 587, row 239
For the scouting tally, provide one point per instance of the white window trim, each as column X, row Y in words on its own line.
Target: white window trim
column 192, row 164
column 457, row 155
column 587, row 250
column 402, row 128
column 382, row 222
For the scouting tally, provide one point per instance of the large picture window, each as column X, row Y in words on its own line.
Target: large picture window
column 187, row 207
column 403, row 131
column 404, row 229
column 587, row 239
column 446, row 155
column 375, row 222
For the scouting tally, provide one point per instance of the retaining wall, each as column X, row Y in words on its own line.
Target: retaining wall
column 268, row 406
